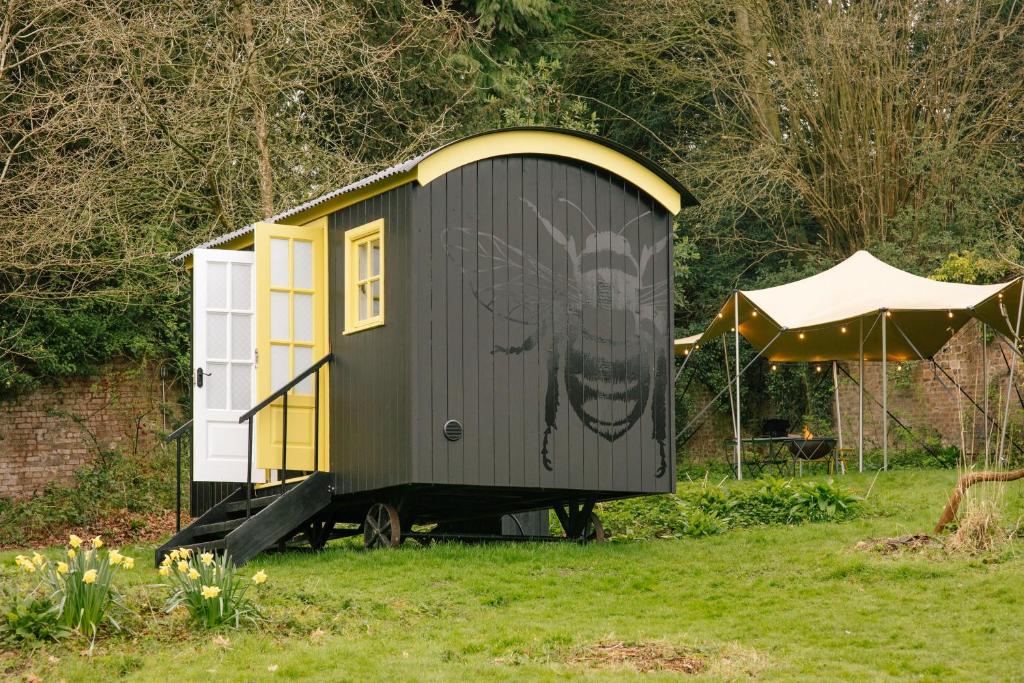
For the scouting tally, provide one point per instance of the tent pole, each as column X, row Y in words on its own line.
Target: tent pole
column 860, row 413
column 885, row 392
column 984, row 381
column 839, row 414
column 736, row 329
column 1010, row 383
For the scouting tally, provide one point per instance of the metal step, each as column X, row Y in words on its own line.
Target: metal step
column 258, row 503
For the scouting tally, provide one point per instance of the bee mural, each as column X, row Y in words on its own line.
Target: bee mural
column 606, row 276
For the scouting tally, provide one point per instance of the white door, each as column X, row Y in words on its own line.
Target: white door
column 223, row 363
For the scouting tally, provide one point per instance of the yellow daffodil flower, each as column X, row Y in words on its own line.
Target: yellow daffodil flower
column 193, row 574
column 165, row 570
column 259, row 577
column 210, row 592
column 38, row 560
column 115, row 557
column 89, row 576
column 71, row 553
column 174, row 555
column 182, row 566
column 97, row 543
column 74, row 541
column 166, row 562
column 184, row 552
column 128, row 563
column 62, row 567
column 206, row 559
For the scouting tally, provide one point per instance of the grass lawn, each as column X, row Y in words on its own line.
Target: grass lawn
column 779, row 603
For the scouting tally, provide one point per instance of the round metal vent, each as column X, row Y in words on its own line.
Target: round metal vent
column 453, row 430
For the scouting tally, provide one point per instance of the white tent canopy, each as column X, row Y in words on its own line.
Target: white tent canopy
column 823, row 317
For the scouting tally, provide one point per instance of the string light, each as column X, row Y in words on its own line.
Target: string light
column 843, row 330
column 802, row 335
column 888, row 314
column 774, row 367
column 686, row 352
column 817, row 368
column 950, row 314
column 754, row 314
column 720, row 316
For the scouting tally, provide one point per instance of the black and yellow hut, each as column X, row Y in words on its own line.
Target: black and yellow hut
column 482, row 330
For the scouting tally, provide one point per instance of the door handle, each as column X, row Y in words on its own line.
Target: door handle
column 199, row 377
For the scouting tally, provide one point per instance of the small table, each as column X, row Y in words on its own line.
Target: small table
column 774, row 447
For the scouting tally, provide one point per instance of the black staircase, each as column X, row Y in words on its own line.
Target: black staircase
column 251, row 520
column 245, row 527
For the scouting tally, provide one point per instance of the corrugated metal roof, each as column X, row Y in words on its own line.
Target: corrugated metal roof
column 410, row 164
column 397, row 169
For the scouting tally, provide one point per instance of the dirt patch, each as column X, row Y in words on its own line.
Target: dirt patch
column 642, row 657
column 899, row 544
column 119, row 529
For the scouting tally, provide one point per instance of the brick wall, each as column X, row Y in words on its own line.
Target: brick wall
column 46, row 435
column 919, row 395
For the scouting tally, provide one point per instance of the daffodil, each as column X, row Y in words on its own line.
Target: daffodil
column 71, row 553
column 89, row 576
column 210, row 592
column 166, row 562
column 182, row 566
column 193, row 574
column 74, row 541
column 174, row 555
column 184, row 553
column 62, row 567
column 259, row 577
column 129, row 563
column 97, row 542
column 165, row 570
column 115, row 557
column 206, row 559
column 38, row 560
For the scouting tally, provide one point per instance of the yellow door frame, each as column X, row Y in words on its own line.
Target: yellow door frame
column 300, row 407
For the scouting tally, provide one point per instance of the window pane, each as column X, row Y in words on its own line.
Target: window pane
column 364, row 307
column 303, row 308
column 375, row 257
column 241, row 336
column 217, row 285
column 216, row 386
column 303, row 256
column 217, row 335
column 279, row 263
column 241, row 286
column 241, row 386
column 303, row 359
column 280, row 372
column 279, row 315
column 363, row 250
column 375, row 290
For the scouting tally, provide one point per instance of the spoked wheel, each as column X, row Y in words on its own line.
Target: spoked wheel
column 593, row 532
column 382, row 528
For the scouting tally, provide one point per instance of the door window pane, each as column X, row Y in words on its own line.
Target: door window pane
column 363, row 250
column 241, row 336
column 279, row 263
column 217, row 335
column 303, row 306
column 375, row 293
column 303, row 271
column 303, row 359
column 216, row 386
column 241, row 286
column 279, row 315
column 364, row 306
column 217, row 285
column 375, row 257
column 280, row 372
column 241, row 386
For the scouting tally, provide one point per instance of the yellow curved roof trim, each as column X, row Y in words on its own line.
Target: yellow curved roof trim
column 551, row 143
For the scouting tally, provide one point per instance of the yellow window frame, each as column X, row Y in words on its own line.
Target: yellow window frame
column 354, row 238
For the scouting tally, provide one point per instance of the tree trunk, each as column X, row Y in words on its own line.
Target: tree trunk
column 964, row 483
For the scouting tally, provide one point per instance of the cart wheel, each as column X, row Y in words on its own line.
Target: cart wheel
column 594, row 531
column 382, row 528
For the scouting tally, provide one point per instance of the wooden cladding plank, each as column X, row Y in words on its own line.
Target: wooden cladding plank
column 456, row 341
column 439, row 327
column 633, row 342
column 467, row 302
column 517, row 332
column 486, row 452
column 502, row 379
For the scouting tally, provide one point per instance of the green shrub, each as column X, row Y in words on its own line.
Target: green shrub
column 29, row 618
column 822, row 501
column 209, row 589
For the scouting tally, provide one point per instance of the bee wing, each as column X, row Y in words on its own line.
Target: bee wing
column 520, row 287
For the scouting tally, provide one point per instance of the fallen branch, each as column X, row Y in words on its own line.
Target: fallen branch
column 965, row 482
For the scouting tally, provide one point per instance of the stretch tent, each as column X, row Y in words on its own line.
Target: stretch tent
column 862, row 309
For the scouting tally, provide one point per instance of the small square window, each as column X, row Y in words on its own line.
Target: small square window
column 364, row 276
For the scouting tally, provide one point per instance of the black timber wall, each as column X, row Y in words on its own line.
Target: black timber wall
column 543, row 324
column 371, row 376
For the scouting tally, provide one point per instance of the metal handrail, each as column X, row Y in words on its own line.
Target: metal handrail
column 175, row 436
column 282, row 393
